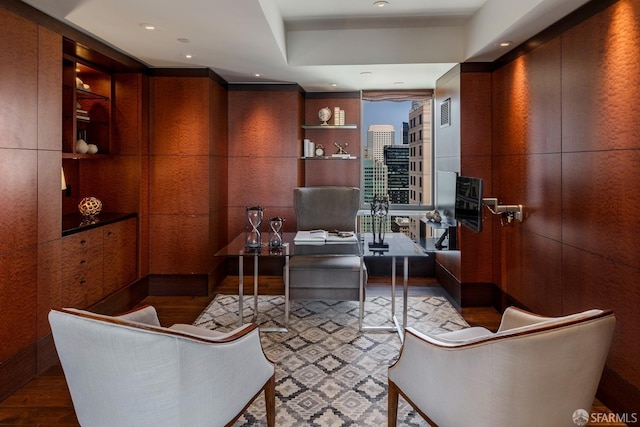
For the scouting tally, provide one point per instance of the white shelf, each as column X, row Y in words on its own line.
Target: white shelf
column 329, row 127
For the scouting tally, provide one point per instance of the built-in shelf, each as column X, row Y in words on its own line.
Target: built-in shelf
column 329, row 126
column 329, row 158
column 85, row 156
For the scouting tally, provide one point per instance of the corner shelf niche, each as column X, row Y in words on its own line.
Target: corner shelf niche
column 86, row 111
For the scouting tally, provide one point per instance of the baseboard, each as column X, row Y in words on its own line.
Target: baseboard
column 16, row 371
column 178, row 284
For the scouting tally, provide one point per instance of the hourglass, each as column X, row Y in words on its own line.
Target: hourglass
column 275, row 231
column 253, row 237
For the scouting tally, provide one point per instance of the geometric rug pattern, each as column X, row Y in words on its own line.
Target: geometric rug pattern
column 328, row 373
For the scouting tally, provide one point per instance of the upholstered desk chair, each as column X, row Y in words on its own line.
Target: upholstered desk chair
column 535, row 371
column 325, row 277
column 129, row 371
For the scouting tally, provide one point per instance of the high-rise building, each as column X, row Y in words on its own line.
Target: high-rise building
column 396, row 158
column 378, row 137
column 420, row 158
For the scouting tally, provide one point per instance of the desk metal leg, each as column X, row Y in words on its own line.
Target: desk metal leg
column 255, row 289
column 405, row 298
column 240, row 289
column 361, row 295
column 286, row 287
column 396, row 326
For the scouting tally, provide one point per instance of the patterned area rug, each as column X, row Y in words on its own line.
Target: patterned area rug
column 328, row 373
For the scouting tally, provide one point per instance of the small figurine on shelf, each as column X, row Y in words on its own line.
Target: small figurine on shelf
column 342, row 150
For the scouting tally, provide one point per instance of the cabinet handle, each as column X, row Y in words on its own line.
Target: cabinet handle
column 109, row 233
column 83, row 281
column 82, row 261
column 82, row 242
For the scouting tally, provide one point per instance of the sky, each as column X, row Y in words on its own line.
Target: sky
column 386, row 113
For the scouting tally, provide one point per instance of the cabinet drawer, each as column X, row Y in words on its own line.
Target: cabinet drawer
column 82, row 275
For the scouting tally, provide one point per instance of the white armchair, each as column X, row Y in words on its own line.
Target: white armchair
column 129, row 371
column 535, row 371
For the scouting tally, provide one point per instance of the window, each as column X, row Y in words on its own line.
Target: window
column 392, row 164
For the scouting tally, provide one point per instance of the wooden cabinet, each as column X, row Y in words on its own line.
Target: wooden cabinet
column 86, row 109
column 120, row 254
column 98, row 262
column 82, row 268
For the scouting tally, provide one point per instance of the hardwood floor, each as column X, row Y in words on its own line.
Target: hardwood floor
column 45, row 401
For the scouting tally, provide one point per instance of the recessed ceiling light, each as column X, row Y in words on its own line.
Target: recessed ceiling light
column 148, row 26
column 188, row 56
column 398, row 83
column 505, row 43
column 333, row 84
column 183, row 40
column 366, row 73
column 257, row 75
column 380, row 3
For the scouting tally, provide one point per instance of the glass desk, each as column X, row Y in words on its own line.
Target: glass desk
column 399, row 246
column 236, row 248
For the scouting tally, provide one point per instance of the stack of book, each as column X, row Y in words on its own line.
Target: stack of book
column 82, row 115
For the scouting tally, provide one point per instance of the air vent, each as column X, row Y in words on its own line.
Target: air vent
column 445, row 113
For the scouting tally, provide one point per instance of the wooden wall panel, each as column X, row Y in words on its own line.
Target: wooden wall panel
column 264, row 140
column 128, row 123
column 18, row 278
column 180, row 115
column 180, row 185
column 339, row 172
column 19, row 199
column 49, row 196
column 600, row 203
column 49, row 90
column 593, row 281
column 50, row 283
column 179, row 244
column 19, row 77
column 601, row 81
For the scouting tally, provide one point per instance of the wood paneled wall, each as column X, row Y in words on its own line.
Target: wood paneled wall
column 265, row 143
column 566, row 132
column 187, row 165
column 30, row 203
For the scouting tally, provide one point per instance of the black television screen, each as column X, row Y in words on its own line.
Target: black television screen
column 469, row 202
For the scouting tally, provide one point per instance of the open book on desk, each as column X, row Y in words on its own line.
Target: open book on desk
column 321, row 237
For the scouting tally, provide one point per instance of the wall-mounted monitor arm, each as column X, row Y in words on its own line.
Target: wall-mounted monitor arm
column 509, row 212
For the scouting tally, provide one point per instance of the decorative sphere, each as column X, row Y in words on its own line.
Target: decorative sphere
column 92, row 148
column 90, row 206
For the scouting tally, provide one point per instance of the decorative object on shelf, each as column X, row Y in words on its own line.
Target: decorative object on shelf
column 379, row 213
column 342, row 150
column 338, row 116
column 90, row 206
column 92, row 148
column 319, row 150
column 253, row 236
column 309, row 148
column 81, row 85
column 433, row 216
column 81, row 144
column 63, row 181
column 324, row 114
column 275, row 231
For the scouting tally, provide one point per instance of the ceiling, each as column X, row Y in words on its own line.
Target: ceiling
column 327, row 45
